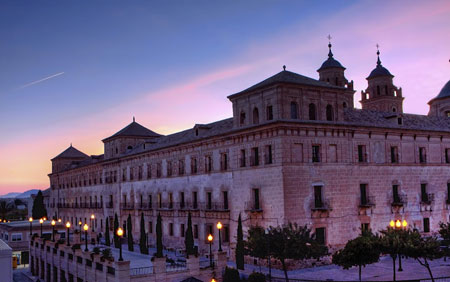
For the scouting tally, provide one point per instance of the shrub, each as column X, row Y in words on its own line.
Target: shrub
column 231, row 275
column 96, row 250
column 76, row 247
column 256, row 277
column 107, row 254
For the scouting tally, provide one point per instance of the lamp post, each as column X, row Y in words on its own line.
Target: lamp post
column 85, row 227
column 399, row 225
column 266, row 232
column 31, row 226
column 219, row 226
column 68, row 233
column 210, row 239
column 81, row 231
column 53, row 230
column 41, row 221
column 92, row 222
column 120, row 234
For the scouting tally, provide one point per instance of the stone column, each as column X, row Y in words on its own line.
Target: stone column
column 122, row 271
column 159, row 268
column 193, row 265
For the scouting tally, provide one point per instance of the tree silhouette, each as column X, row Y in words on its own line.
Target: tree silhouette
column 39, row 210
column 159, row 244
column 143, row 237
column 189, row 238
column 130, row 234
column 240, row 246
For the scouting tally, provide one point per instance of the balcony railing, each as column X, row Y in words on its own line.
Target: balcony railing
column 367, row 202
column 253, row 206
column 399, row 200
column 127, row 206
column 427, row 198
column 320, row 205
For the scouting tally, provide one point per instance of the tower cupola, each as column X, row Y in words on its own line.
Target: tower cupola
column 381, row 93
column 332, row 71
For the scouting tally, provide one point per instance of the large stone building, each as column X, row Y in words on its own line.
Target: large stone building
column 295, row 150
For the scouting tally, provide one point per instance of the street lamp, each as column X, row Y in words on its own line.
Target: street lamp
column 81, row 232
column 85, row 227
column 219, row 226
column 210, row 239
column 266, row 232
column 399, row 225
column 41, row 221
column 68, row 233
column 120, row 234
column 53, row 230
column 31, row 226
column 92, row 222
column 213, row 280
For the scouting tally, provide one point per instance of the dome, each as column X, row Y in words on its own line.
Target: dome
column 330, row 62
column 445, row 91
column 379, row 71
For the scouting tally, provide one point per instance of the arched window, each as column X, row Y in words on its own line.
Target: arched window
column 312, row 112
column 344, row 105
column 337, row 81
column 378, row 90
column 394, row 109
column 294, row 110
column 386, row 90
column 269, row 113
column 242, row 118
column 255, row 116
column 330, row 113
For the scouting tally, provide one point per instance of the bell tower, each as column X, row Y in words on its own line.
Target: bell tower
column 381, row 93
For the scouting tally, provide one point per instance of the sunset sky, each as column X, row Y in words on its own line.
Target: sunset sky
column 77, row 72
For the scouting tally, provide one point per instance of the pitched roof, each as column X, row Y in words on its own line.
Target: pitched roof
column 71, row 153
column 291, row 78
column 134, row 129
column 191, row 279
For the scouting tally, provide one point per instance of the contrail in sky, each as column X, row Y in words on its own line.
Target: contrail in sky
column 41, row 80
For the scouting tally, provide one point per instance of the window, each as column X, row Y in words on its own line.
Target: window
column 318, row 203
column 140, row 172
column 124, row 174
column 394, row 154
column 242, row 118
column 422, row 155
column 363, row 190
column 395, row 194
column 330, row 115
column 269, row 113
column 150, row 202
column 193, row 165
column 131, row 173
column 426, row 224
column 362, row 155
column 226, row 234
column 169, row 168
column 182, row 200
column 423, row 192
column 365, row 227
column 171, row 229
column 210, row 229
column 242, row 158
column 447, row 156
column 181, row 167
column 16, row 237
column 344, row 105
column 182, row 230
column 150, row 227
column 158, row 170
column 448, row 193
column 254, row 157
column 209, row 199
column 268, row 154
column 223, row 161
column 320, row 235
column 255, row 116
column 195, row 200
column 378, row 90
column 195, row 231
column 294, row 110
column 149, row 171
column 159, row 201
column 225, row 200
column 315, row 153
column 256, row 205
column 208, row 163
column 312, row 112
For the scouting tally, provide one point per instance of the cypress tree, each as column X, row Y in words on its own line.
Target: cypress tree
column 39, row 210
column 142, row 239
column 159, row 244
column 116, row 226
column 107, row 239
column 130, row 234
column 189, row 238
column 240, row 246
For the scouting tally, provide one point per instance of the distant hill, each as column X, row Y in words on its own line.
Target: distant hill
column 16, row 195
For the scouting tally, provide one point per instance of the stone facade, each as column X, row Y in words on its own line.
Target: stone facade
column 295, row 150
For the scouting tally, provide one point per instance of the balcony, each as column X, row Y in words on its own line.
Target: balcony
column 427, row 199
column 320, row 205
column 367, row 202
column 253, row 206
column 127, row 206
column 145, row 206
column 398, row 201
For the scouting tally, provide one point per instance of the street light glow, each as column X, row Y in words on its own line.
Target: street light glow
column 41, row 221
column 392, row 224
column 53, row 222
column 68, row 224
column 30, row 219
column 210, row 237
column 398, row 224
column 92, row 216
column 85, row 227
column 120, row 232
column 219, row 225
column 404, row 223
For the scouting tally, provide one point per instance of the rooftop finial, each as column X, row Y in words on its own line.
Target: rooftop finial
column 330, row 54
column 134, row 119
column 70, row 144
column 378, row 55
column 284, row 67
